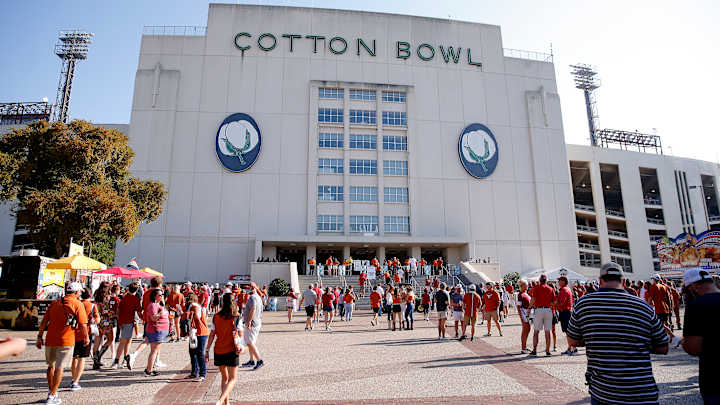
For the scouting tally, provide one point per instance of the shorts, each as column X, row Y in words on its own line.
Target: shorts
column 250, row 335
column 396, row 308
column 490, row 315
column 310, row 310
column 158, row 336
column 126, row 330
column 328, row 309
column 457, row 316
column 81, row 350
column 543, row 319
column 376, row 310
column 564, row 319
column 231, row 359
column 442, row 314
column 58, row 356
column 470, row 320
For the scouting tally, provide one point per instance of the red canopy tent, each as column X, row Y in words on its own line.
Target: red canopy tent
column 125, row 273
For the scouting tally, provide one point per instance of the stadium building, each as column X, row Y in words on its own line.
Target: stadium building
column 300, row 132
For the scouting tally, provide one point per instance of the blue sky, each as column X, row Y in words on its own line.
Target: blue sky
column 657, row 59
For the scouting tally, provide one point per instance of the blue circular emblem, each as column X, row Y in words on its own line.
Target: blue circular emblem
column 478, row 150
column 237, row 142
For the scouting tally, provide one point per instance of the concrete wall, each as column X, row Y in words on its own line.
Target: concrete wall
column 264, row 273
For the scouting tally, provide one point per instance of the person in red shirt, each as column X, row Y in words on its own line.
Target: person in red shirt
column 425, row 301
column 290, row 300
column 176, row 306
column 523, row 307
column 660, row 299
column 491, row 302
column 435, row 266
column 311, row 266
column 396, row 278
column 362, row 279
column 328, row 299
column 471, row 305
column 564, row 305
column 129, row 306
column 543, row 297
column 676, row 305
column 629, row 289
column 512, row 302
column 375, row 302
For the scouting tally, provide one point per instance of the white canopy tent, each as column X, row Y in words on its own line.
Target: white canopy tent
column 554, row 275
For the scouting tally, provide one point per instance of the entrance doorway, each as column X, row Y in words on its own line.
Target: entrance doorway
column 400, row 253
column 363, row 253
column 323, row 252
column 430, row 254
column 293, row 254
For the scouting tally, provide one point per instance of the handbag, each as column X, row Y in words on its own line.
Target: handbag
column 192, row 338
column 94, row 330
column 238, row 341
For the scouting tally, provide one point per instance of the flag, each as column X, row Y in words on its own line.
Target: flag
column 133, row 264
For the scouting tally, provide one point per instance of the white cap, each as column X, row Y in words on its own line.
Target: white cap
column 656, row 276
column 74, row 287
column 695, row 274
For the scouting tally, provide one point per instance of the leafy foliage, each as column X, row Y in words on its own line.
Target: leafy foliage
column 278, row 288
column 511, row 278
column 73, row 181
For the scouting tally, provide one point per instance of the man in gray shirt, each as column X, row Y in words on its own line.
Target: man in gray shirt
column 309, row 298
column 252, row 321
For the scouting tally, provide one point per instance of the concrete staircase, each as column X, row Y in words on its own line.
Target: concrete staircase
column 334, row 281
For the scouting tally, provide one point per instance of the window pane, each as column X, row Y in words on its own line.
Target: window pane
column 395, row 168
column 396, row 118
column 367, row 95
column 330, row 223
column 391, row 142
column 331, row 115
column 395, row 194
column 397, row 224
column 363, row 223
column 330, row 140
column 331, row 93
column 363, row 117
column 363, row 194
column 330, row 193
column 393, row 96
column 330, row 166
column 363, row 166
column 363, row 141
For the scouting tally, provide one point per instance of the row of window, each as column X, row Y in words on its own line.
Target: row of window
column 358, row 141
column 367, row 117
column 365, row 95
column 363, row 194
column 363, row 223
column 363, row 166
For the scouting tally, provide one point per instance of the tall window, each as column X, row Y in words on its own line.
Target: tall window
column 393, row 96
column 396, row 118
column 331, row 93
column 330, row 166
column 395, row 168
column 332, row 115
column 363, row 141
column 395, row 194
column 363, row 223
column 330, row 193
column 367, row 95
column 330, row 223
column 328, row 140
column 392, row 142
column 363, row 194
column 363, row 117
column 397, row 224
column 363, row 166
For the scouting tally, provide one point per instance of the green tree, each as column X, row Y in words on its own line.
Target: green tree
column 511, row 278
column 278, row 288
column 73, row 181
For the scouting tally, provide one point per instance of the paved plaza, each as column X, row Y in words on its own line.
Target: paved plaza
column 355, row 363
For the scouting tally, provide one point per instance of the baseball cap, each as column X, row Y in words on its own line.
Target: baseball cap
column 611, row 269
column 656, row 276
column 228, row 284
column 694, row 275
column 471, row 287
column 74, row 287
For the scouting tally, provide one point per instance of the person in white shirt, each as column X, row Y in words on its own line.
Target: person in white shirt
column 388, row 307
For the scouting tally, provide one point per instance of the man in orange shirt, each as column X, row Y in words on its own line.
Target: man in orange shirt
column 471, row 304
column 64, row 316
column 675, row 294
column 491, row 301
column 176, row 306
column 660, row 299
column 375, row 302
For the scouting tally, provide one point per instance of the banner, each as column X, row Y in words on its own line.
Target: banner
column 688, row 250
column 75, row 249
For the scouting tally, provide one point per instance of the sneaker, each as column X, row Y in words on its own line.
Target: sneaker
column 53, row 400
column 500, row 333
column 131, row 361
column 472, row 338
column 75, row 387
column 126, row 361
column 160, row 364
column 151, row 374
column 554, row 348
column 115, row 365
column 568, row 352
column 533, row 353
column 463, row 337
column 250, row 363
column 200, row 379
column 525, row 351
column 548, row 354
column 487, row 334
column 259, row 364
column 456, row 336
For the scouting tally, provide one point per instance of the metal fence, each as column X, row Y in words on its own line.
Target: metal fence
column 177, row 30
column 520, row 54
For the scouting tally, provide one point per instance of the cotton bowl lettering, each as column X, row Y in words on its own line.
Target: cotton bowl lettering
column 237, row 142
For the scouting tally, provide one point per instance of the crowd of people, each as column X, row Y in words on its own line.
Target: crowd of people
column 81, row 324
column 637, row 316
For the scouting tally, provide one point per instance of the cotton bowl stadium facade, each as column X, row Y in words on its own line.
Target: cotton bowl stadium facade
column 299, row 132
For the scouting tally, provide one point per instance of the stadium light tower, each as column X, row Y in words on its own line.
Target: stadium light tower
column 71, row 47
column 586, row 80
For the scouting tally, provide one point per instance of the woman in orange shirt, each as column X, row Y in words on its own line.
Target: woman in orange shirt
column 409, row 308
column 199, row 332
column 228, row 346
column 397, row 307
column 349, row 301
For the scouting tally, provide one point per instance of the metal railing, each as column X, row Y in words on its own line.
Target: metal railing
column 620, row 251
column 652, row 201
column 588, row 246
column 586, row 228
column 656, row 221
column 714, row 218
column 617, row 213
column 176, row 30
column 585, row 207
column 620, row 234
column 655, row 238
column 531, row 55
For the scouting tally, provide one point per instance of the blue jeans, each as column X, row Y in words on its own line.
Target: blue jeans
column 197, row 358
column 410, row 312
column 348, row 312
